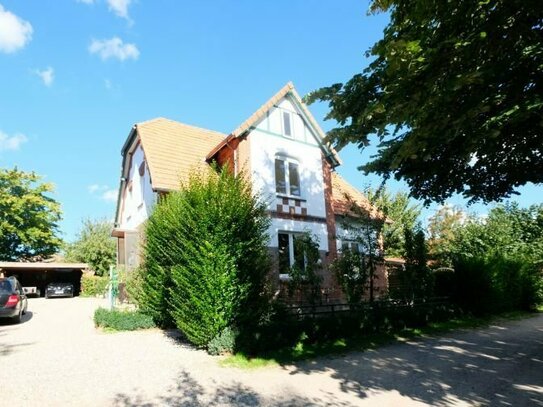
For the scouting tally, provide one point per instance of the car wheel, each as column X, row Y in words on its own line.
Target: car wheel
column 17, row 318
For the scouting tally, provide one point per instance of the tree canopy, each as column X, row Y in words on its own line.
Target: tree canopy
column 401, row 211
column 94, row 245
column 507, row 230
column 28, row 217
column 453, row 95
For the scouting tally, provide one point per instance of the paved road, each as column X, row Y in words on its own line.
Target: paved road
column 57, row 358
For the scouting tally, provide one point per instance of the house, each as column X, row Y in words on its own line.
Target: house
column 280, row 147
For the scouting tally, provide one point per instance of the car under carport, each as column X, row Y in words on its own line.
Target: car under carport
column 40, row 274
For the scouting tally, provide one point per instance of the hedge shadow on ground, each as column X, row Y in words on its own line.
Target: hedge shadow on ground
column 501, row 364
column 188, row 392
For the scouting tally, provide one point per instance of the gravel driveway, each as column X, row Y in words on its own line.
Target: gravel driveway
column 57, row 358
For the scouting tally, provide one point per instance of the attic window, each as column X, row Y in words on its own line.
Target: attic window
column 287, row 123
column 141, row 169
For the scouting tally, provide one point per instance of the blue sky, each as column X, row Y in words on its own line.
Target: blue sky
column 77, row 74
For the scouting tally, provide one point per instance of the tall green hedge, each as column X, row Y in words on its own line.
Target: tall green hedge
column 496, row 283
column 205, row 257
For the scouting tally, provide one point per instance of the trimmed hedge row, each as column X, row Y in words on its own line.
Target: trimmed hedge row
column 494, row 284
column 122, row 320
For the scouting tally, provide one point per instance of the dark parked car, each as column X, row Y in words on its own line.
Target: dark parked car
column 59, row 290
column 13, row 302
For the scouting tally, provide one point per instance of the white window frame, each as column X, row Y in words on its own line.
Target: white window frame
column 350, row 244
column 290, row 234
column 286, row 170
column 290, row 116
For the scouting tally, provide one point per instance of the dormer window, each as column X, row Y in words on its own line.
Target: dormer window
column 287, row 123
column 287, row 176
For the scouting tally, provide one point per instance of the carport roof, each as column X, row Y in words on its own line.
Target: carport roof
column 41, row 266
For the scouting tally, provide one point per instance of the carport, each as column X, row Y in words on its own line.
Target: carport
column 40, row 274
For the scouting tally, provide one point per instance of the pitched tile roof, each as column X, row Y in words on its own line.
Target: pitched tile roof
column 173, row 149
column 344, row 195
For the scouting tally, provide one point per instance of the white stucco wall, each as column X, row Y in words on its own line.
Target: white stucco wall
column 137, row 204
column 267, row 142
column 273, row 122
column 288, row 225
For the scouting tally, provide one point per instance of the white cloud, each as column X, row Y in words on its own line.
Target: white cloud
column 86, row 1
column 119, row 7
column 110, row 195
column 108, row 84
column 15, row 32
column 94, row 188
column 46, row 75
column 105, row 193
column 114, row 48
column 11, row 143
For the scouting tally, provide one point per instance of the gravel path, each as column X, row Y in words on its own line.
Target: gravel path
column 57, row 358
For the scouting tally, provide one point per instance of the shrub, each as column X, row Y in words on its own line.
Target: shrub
column 277, row 329
column 122, row 320
column 352, row 274
column 206, row 258
column 132, row 283
column 92, row 286
column 493, row 284
column 225, row 342
column 303, row 274
column 284, row 330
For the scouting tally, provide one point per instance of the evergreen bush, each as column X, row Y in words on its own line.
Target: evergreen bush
column 122, row 320
column 206, row 257
column 225, row 342
column 495, row 283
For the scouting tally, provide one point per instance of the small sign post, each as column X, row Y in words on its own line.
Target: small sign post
column 113, row 286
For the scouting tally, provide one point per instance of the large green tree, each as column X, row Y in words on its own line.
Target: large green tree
column 444, row 227
column 402, row 213
column 454, row 96
column 508, row 230
column 28, row 217
column 94, row 245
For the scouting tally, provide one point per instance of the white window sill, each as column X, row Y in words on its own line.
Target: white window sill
column 296, row 197
column 284, row 277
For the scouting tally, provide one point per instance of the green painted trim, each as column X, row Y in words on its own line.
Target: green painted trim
column 271, row 133
column 311, row 125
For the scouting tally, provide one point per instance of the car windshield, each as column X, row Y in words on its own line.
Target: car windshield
column 5, row 287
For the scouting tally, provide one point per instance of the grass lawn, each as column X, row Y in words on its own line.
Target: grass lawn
column 304, row 351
